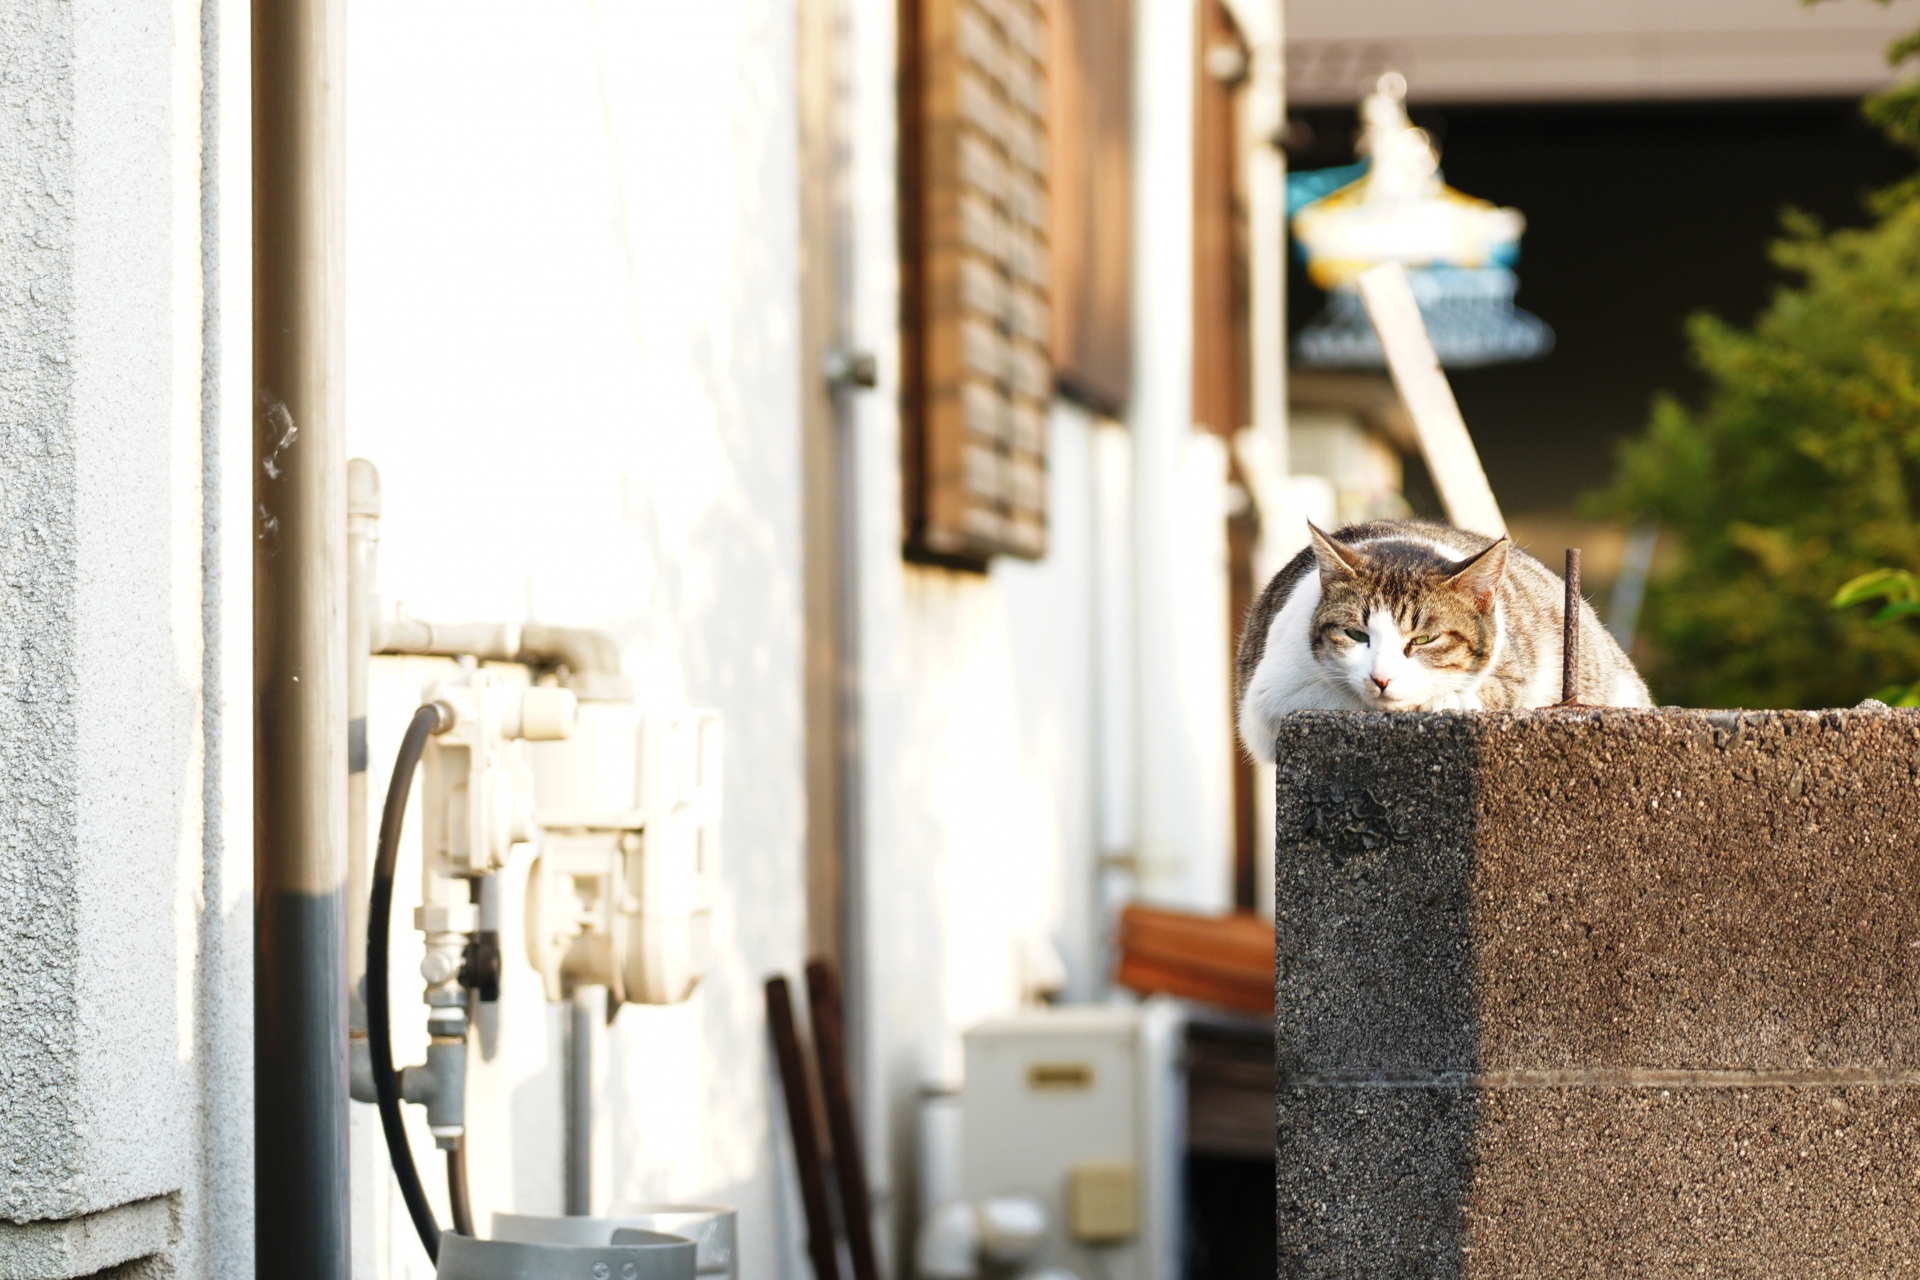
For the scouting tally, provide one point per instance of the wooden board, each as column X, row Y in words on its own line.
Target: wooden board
column 1223, row 960
column 1452, row 460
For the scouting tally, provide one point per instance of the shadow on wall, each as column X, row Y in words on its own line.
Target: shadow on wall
column 1374, row 980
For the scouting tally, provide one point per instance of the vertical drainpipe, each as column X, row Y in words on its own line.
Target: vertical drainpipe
column 300, row 742
column 832, row 373
column 363, row 547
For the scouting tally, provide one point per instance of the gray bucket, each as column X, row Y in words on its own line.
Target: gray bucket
column 640, row 1255
column 711, row 1227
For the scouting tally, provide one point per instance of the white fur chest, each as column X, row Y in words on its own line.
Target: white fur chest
column 1288, row 678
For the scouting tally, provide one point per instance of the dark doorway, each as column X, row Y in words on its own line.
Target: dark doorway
column 1638, row 214
column 1230, row 1233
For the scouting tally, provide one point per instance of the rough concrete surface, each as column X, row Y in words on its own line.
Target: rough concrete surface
column 1599, row 994
column 124, row 959
column 90, row 1244
column 37, row 659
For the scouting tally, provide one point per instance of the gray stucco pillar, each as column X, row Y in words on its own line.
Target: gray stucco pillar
column 123, row 912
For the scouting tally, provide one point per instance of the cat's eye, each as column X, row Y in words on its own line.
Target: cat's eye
column 1357, row 635
column 1425, row 639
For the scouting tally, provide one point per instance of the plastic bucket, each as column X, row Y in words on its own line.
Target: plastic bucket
column 711, row 1227
column 649, row 1255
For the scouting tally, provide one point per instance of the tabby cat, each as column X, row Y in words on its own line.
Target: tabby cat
column 1407, row 615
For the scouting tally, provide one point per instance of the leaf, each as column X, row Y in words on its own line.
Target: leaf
column 1902, row 49
column 1868, row 586
column 1896, row 611
column 1900, row 695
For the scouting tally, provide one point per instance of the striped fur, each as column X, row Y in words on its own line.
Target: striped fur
column 1412, row 615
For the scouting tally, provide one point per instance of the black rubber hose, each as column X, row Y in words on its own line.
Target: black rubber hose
column 386, row 1082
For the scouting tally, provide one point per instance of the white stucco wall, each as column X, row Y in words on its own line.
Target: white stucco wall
column 1016, row 726
column 125, row 868
column 573, row 355
column 597, row 425
column 573, row 313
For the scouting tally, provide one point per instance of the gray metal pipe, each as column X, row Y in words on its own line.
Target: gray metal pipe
column 590, row 657
column 300, row 694
column 363, row 550
column 586, row 1011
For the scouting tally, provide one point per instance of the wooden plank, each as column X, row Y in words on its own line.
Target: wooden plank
column 1241, row 941
column 1230, row 1117
column 1451, row 457
column 1148, row 978
column 1231, row 1082
column 1224, row 960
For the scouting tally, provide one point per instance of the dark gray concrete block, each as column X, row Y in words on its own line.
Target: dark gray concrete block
column 1599, row 993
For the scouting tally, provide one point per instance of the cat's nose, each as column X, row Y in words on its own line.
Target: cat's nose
column 1382, row 681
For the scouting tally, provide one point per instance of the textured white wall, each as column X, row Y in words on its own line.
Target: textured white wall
column 573, row 313
column 37, row 984
column 124, row 640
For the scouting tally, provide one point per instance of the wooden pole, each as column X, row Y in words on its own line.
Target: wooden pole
column 806, row 1139
column 1450, row 454
column 849, row 1165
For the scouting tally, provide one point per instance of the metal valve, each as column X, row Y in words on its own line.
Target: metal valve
column 478, row 804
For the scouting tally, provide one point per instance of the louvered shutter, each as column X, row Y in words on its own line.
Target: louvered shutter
column 979, row 322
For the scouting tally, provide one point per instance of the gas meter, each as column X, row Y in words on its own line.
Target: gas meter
column 621, row 894
column 625, row 808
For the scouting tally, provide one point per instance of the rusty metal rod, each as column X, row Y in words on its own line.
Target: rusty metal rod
column 1570, row 639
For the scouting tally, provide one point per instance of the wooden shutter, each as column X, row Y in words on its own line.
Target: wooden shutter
column 979, row 323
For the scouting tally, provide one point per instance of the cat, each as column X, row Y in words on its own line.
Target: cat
column 1408, row 615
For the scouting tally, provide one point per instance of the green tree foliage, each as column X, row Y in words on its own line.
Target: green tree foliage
column 1798, row 474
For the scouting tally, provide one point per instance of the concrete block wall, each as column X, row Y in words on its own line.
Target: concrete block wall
column 1599, row 994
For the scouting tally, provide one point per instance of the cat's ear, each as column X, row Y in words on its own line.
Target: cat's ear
column 1479, row 578
column 1337, row 559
